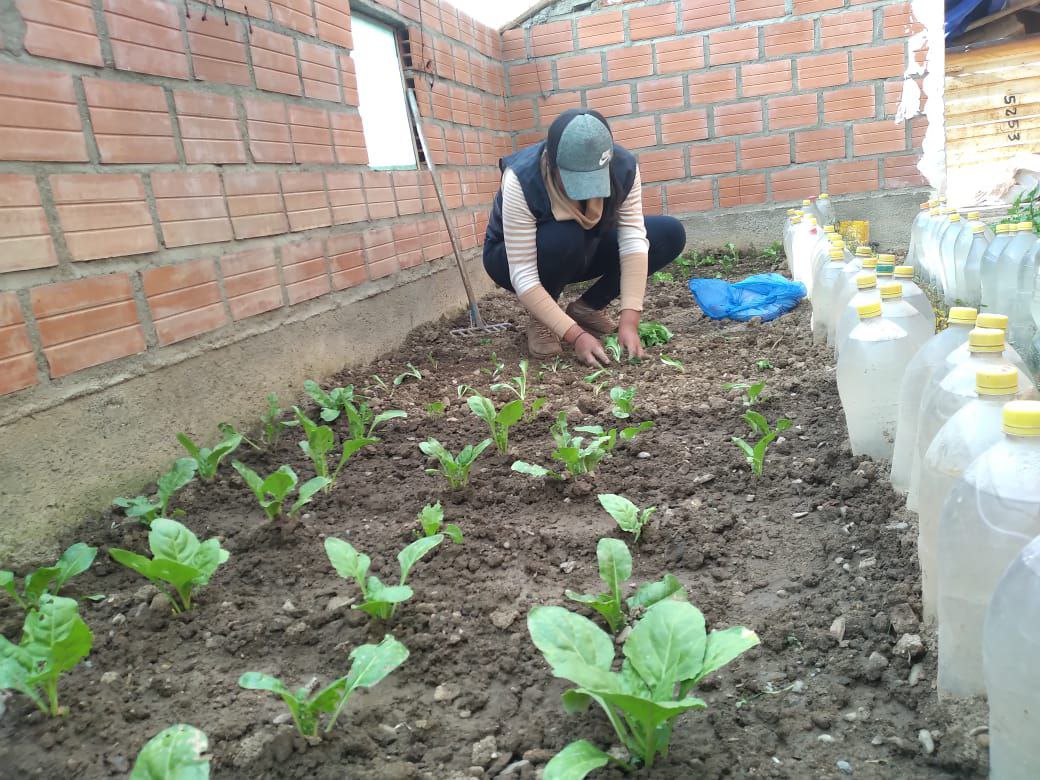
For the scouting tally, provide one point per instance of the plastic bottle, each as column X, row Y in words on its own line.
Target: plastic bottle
column 825, row 208
column 997, row 321
column 912, row 294
column 805, row 237
column 845, row 289
column 966, row 435
column 875, row 357
column 918, row 328
column 1034, row 307
column 1021, row 329
column 824, row 285
column 974, row 220
column 849, row 319
column 968, row 259
column 1010, row 647
column 946, row 256
column 1008, row 264
column 912, row 258
column 988, row 277
column 991, row 514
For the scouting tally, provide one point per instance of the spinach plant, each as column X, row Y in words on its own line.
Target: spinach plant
column 626, row 514
column 49, row 579
column 654, row 334
column 453, row 468
column 431, row 518
column 411, row 372
column 615, row 569
column 662, row 277
column 755, row 454
column 369, row 665
column 147, row 509
column 763, row 364
column 497, row 367
column 380, row 601
column 207, row 460
column 320, row 444
column 273, row 491
column 498, row 422
column 624, row 401
column 436, row 408
column 180, row 563
column 175, row 753
column 751, row 391
column 673, row 363
column 332, row 401
column 666, row 654
column 362, row 421
column 54, row 639
column 572, row 451
column 612, row 347
column 520, row 387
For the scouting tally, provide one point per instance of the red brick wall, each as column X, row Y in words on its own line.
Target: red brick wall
column 729, row 103
column 168, row 171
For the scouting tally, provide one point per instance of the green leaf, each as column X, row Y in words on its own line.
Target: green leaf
column 604, row 603
column 615, row 564
column 482, row 408
column 575, row 761
column 624, row 512
column 56, row 637
column 650, row 593
column 411, row 554
column 7, row 582
column 348, row 562
column 722, row 647
column 650, row 713
column 279, row 483
column 511, row 413
column 388, row 594
column 564, row 637
column 189, row 445
column 74, row 561
column 175, row 753
column 454, row 533
column 431, row 518
column 15, row 677
column 747, row 449
column 251, row 478
column 307, row 491
column 758, row 423
column 370, row 664
column 531, row 469
column 383, row 417
column 37, row 582
column 257, row 681
column 172, row 540
column 133, row 561
column 181, row 474
column 667, row 646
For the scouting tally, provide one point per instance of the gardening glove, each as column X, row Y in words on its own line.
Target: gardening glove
column 628, row 334
column 589, row 349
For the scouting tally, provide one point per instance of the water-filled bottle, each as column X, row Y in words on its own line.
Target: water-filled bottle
column 912, row 258
column 991, row 514
column 967, row 434
column 825, row 208
column 918, row 328
column 969, row 253
column 824, row 286
column 805, row 237
column 874, row 358
column 988, row 274
column 846, row 288
column 997, row 321
column 849, row 319
column 1008, row 265
column 974, row 220
column 1021, row 329
column 912, row 294
column 794, row 216
column 947, row 254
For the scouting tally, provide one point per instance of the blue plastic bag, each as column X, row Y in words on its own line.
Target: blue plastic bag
column 762, row 295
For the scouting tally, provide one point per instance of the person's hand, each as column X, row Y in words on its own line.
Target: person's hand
column 628, row 334
column 590, row 351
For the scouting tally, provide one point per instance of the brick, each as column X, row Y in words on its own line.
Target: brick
column 346, row 196
column 311, row 134
column 306, row 201
column 191, row 208
column 551, row 106
column 333, row 22
column 662, row 165
column 86, row 322
column 294, row 14
column 793, row 111
column 103, row 215
column 683, row 126
column 379, row 194
column 407, row 192
column 899, row 22
column 652, row 21
column 852, row 28
column 549, row 39
column 894, row 97
column 184, row 300
column 681, row 55
column 824, row 70
column 878, row 138
column 146, row 37
column 772, row 151
column 268, row 124
column 255, row 204
column 600, row 29
column 713, row 86
column 218, row 51
column 257, row 9
column 611, row 101
column 348, row 75
column 61, row 30
column 767, row 78
column 25, row 239
column 653, row 199
column 660, row 94
column 879, row 62
column 704, row 14
column 918, row 128
column 304, row 271
column 795, row 37
column 348, row 139
column 251, row 282
column 274, row 62
column 842, row 105
column 729, row 46
column 901, row 171
column 759, row 10
column 513, row 44
column 635, row 133
column 738, row 119
column 346, row 260
column 380, row 256
column 536, row 77
column 209, row 128
column 744, row 190
column 131, row 122
column 318, row 69
column 17, row 362
column 854, row 176
column 521, row 114
column 706, row 159
column 39, row 118
column 408, row 245
column 436, row 243
column 583, row 70
column 795, row 184
column 815, row 6
column 630, row 62
column 690, row 196
column 816, row 145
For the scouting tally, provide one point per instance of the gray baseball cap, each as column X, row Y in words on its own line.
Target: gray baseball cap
column 581, row 146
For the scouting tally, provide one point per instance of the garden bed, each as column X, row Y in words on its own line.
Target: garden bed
column 813, row 555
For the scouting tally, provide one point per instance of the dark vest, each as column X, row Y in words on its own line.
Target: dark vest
column 526, row 164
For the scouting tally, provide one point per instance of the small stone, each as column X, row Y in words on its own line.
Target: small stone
column 851, row 717
column 504, row 618
column 916, row 671
column 827, row 738
column 336, row 603
column 282, row 718
column 909, row 646
column 568, row 566
column 799, row 515
column 838, row 628
column 484, row 752
column 924, row 736
column 703, row 478
column 875, row 666
column 643, row 455
column 464, row 714
column 877, row 740
column 903, row 619
column 896, row 527
column 109, row 678
column 749, row 497
column 516, row 768
column 844, row 767
column 119, row 763
column 145, row 593
column 446, row 692
column 118, row 619
column 297, row 628
column 289, row 608
column 159, row 605
column 867, row 563
column 821, row 720
column 538, row 755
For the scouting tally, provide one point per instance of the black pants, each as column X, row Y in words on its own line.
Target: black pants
column 567, row 254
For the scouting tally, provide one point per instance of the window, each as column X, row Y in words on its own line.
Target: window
column 381, row 93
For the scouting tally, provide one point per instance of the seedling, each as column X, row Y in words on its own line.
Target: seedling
column 497, row 367
column 49, row 579
column 147, row 509
column 729, row 257
column 362, row 422
column 54, row 639
column 519, row 387
column 380, row 601
column 763, row 365
column 612, row 347
column 179, row 560
column 271, row 421
column 751, row 392
column 381, row 384
column 436, row 409
column 666, row 654
column 273, row 491
column 627, row 515
column 578, row 457
column 773, row 251
column 755, row 454
column 662, row 277
column 654, row 334
column 369, row 665
column 431, row 518
column 464, row 390
column 615, row 569
column 499, row 422
column 452, row 468
column 175, row 753
column 332, row 401
column 411, row 372
column 624, row 401
column 207, row 460
column 673, row 363
column 594, row 379
column 321, row 443
column 555, row 365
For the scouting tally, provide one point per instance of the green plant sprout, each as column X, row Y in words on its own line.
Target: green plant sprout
column 330, row 402
column 763, row 364
column 497, row 367
column 624, row 401
column 578, row 457
column 54, row 640
column 362, row 421
column 175, row 753
column 519, row 386
column 773, row 251
column 498, row 422
column 321, row 443
column 751, row 391
column 729, row 257
column 49, row 579
column 667, row 653
column 454, row 469
column 207, row 460
column 273, row 491
column 146, row 509
column 369, row 665
column 436, row 409
column 464, row 390
column 673, row 363
column 431, row 519
column 380, row 601
column 755, row 454
column 626, row 514
column 615, row 569
column 662, row 277
column 381, row 384
column 411, row 372
column 555, row 365
column 612, row 347
column 271, row 426
column 597, row 386
column 654, row 334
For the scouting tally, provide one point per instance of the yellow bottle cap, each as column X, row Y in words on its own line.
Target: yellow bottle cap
column 1003, row 227
column 955, row 217
column 806, row 202
column 796, row 219
column 904, row 272
column 985, row 339
column 835, row 238
column 887, row 259
column 866, row 281
column 997, row 380
column 942, row 198
column 863, row 251
column 949, row 210
column 870, row 262
column 837, row 254
column 791, row 212
column 1022, row 418
column 976, row 229
column 868, row 310
column 962, row 315
column 824, row 196
column 828, row 228
column 934, row 212
column 1025, row 224
column 991, row 320
column 891, row 290
column 973, row 215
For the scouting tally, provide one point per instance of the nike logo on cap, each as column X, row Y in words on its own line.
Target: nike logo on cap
column 606, row 158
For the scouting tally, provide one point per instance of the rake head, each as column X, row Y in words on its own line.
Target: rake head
column 482, row 330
